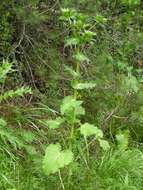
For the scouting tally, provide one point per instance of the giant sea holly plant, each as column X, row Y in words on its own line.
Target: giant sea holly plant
column 71, row 109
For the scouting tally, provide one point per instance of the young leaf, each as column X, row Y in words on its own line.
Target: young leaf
column 81, row 57
column 56, row 159
column 30, row 149
column 18, row 92
column 28, row 136
column 71, row 71
column 81, row 86
column 89, row 129
column 104, row 144
column 70, row 104
column 130, row 84
column 67, row 14
column 122, row 140
column 71, row 42
column 100, row 19
column 54, row 124
column 88, row 36
column 5, row 68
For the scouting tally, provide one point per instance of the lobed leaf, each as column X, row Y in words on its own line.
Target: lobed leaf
column 56, row 159
column 104, row 144
column 88, row 129
column 70, row 104
column 54, row 124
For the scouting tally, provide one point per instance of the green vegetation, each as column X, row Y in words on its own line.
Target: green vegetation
column 71, row 91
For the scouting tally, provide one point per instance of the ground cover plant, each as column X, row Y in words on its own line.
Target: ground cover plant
column 71, row 95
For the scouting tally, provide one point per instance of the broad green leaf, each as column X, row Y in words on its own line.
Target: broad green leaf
column 130, row 84
column 81, row 86
column 81, row 57
column 31, row 150
column 71, row 42
column 104, row 144
column 89, row 129
column 70, row 104
column 71, row 71
column 56, row 159
column 54, row 124
column 122, row 140
column 122, row 65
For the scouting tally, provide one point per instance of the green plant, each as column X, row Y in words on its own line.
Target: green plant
column 101, row 55
column 115, row 170
column 6, row 31
column 6, row 68
column 7, row 134
column 16, row 139
column 71, row 108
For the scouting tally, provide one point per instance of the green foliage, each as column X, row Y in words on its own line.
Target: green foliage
column 122, row 140
column 121, row 170
column 54, row 124
column 16, row 139
column 71, row 42
column 100, row 52
column 70, row 105
column 30, row 13
column 81, row 57
column 100, row 19
column 88, row 130
column 14, row 93
column 104, row 144
column 56, row 159
column 6, row 30
column 81, row 86
column 130, row 2
column 70, row 71
column 71, row 108
column 118, row 170
column 5, row 68
column 131, row 84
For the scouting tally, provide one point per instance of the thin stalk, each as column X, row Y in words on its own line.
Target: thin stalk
column 69, row 177
column 62, row 184
column 75, row 96
column 72, row 130
column 74, row 117
column 77, row 71
column 87, row 149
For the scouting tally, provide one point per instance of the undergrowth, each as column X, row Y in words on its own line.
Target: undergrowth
column 71, row 95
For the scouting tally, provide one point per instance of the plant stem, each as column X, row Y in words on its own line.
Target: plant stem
column 77, row 71
column 75, row 96
column 87, row 149
column 62, row 184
